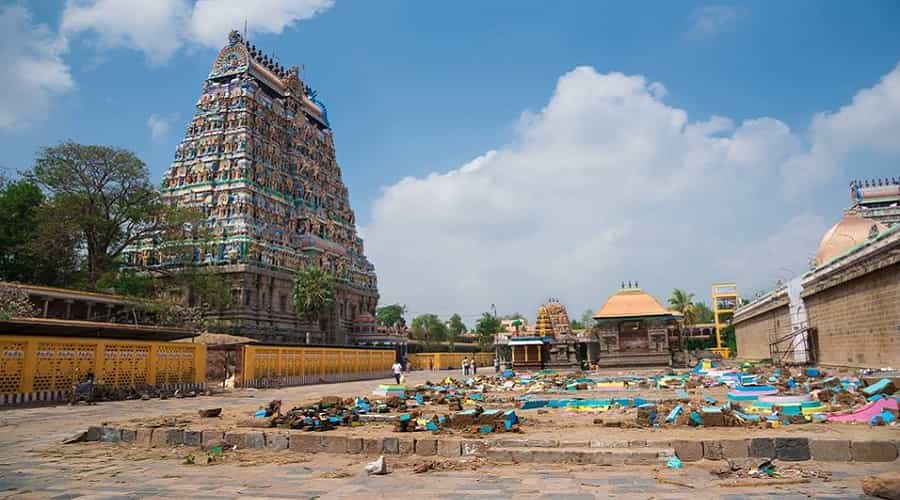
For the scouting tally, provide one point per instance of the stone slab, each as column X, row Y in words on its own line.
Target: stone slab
column 143, row 437
column 873, row 451
column 333, row 444
column 449, row 448
column 830, row 450
column 255, row 440
column 211, row 438
column 235, row 439
column 373, row 447
column 193, row 438
column 93, row 433
column 354, row 445
column 792, row 449
column 688, row 451
column 762, row 448
column 110, row 435
column 305, row 442
column 391, row 446
column 128, row 435
column 407, row 446
column 426, row 447
column 277, row 441
column 474, row 448
column 159, row 438
column 175, row 436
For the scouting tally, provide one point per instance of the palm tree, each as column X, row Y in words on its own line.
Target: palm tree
column 682, row 302
column 313, row 294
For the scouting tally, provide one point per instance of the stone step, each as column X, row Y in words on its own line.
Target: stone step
column 593, row 443
column 595, row 456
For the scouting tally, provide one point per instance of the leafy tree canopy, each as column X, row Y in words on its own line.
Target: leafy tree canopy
column 702, row 313
column 391, row 315
column 486, row 327
column 428, row 327
column 682, row 302
column 313, row 293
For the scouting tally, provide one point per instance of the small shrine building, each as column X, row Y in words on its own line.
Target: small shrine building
column 632, row 329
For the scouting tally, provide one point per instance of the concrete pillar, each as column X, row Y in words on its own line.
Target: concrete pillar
column 46, row 306
column 69, row 309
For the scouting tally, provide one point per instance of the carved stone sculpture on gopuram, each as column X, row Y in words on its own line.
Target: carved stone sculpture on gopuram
column 258, row 161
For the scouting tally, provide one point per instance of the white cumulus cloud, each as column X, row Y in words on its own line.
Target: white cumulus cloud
column 161, row 27
column 35, row 71
column 609, row 183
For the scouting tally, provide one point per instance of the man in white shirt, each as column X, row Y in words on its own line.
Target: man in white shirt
column 397, row 369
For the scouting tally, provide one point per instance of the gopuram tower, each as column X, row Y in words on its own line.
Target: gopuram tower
column 258, row 161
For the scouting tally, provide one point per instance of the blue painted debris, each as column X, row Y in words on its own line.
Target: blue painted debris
column 813, row 372
column 678, row 410
column 878, row 387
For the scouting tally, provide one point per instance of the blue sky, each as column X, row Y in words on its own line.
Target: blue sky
column 415, row 88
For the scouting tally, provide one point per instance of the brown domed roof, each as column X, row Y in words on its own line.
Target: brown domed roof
column 631, row 302
column 846, row 234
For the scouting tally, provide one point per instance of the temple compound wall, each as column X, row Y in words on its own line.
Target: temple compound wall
column 258, row 162
column 852, row 303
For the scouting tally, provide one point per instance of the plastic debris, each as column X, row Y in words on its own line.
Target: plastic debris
column 377, row 468
column 674, row 463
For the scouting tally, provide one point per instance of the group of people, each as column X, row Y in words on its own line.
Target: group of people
column 467, row 365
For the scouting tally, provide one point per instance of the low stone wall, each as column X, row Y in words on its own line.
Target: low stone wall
column 514, row 449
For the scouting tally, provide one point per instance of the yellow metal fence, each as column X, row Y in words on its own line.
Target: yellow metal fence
column 266, row 366
column 45, row 368
column 448, row 360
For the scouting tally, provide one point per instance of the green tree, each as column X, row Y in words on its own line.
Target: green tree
column 682, row 302
column 428, row 327
column 104, row 194
column 313, row 294
column 34, row 248
column 576, row 325
column 486, row 327
column 702, row 313
column 391, row 315
column 455, row 329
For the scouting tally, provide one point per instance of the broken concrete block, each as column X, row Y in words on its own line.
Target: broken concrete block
column 883, row 486
column 792, row 449
column 830, row 450
column 127, row 435
column 873, row 451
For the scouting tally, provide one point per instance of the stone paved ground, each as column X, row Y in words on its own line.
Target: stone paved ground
column 34, row 465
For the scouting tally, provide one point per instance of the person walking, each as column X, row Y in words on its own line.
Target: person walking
column 474, row 367
column 496, row 365
column 465, row 367
column 397, row 369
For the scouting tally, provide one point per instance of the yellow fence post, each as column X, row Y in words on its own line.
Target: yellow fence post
column 26, row 383
column 152, row 364
column 200, row 366
column 98, row 362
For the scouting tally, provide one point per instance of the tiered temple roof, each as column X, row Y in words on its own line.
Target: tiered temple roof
column 258, row 160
